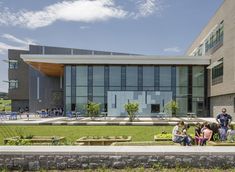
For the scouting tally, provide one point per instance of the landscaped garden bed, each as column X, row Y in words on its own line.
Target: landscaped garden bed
column 146, row 143
column 163, row 137
column 102, row 140
column 35, row 140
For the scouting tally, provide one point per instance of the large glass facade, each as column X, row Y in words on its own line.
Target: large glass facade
column 85, row 83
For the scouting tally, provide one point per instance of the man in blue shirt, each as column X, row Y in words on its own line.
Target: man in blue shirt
column 224, row 120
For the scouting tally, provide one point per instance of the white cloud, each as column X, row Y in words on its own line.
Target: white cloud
column 146, row 7
column 4, row 47
column 84, row 27
column 21, row 43
column 81, row 11
column 173, row 49
column 78, row 11
column 17, row 40
column 1, row 51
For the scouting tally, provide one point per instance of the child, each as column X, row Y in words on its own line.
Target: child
column 197, row 133
column 184, row 133
column 206, row 135
column 204, row 126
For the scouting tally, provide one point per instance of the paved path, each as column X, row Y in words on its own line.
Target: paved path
column 117, row 149
column 141, row 121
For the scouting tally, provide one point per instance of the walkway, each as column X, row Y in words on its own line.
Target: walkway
column 117, row 149
column 141, row 121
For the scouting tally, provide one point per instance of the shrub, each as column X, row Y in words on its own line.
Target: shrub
column 18, row 141
column 131, row 109
column 93, row 109
column 171, row 107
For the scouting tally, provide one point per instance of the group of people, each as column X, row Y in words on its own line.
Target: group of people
column 52, row 112
column 205, row 132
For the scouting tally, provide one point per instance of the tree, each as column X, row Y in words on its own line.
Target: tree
column 171, row 107
column 93, row 109
column 131, row 109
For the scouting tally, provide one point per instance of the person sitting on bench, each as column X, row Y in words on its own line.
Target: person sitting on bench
column 206, row 135
column 178, row 137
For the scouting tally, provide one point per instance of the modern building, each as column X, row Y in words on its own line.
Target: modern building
column 201, row 82
column 69, row 78
column 217, row 40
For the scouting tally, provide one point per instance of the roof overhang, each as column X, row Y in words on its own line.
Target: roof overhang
column 53, row 64
column 216, row 63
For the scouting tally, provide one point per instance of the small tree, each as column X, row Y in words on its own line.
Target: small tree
column 171, row 107
column 93, row 109
column 132, row 109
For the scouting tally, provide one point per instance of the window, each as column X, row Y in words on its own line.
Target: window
column 215, row 39
column 132, row 78
column 181, row 81
column 217, row 73
column 13, row 84
column 68, row 75
column 115, row 76
column 198, row 81
column 13, row 64
column 98, row 75
column 81, row 75
column 155, row 108
column 165, row 78
column 148, row 78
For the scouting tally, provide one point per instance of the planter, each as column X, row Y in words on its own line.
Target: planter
column 146, row 143
column 211, row 143
column 102, row 140
column 162, row 138
column 37, row 140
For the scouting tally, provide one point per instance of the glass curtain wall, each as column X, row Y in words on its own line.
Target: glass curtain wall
column 93, row 82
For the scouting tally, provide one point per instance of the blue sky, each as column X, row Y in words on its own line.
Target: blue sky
column 151, row 27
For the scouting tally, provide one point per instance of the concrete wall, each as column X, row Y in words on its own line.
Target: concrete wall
column 20, row 95
column 20, row 74
column 66, row 161
column 225, row 101
column 48, row 86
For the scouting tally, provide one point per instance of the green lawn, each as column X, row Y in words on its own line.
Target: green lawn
column 138, row 133
column 6, row 104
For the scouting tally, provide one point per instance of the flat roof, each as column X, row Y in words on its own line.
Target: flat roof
column 53, row 64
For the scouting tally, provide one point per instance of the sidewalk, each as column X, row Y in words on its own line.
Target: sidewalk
column 118, row 149
column 119, row 121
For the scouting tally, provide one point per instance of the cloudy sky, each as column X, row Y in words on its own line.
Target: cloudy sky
column 151, row 27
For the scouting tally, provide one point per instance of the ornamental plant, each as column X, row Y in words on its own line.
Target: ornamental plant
column 171, row 107
column 93, row 109
column 131, row 109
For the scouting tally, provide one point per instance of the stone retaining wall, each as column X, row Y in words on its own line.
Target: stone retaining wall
column 63, row 161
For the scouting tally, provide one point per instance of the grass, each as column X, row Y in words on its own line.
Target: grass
column 6, row 104
column 138, row 133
